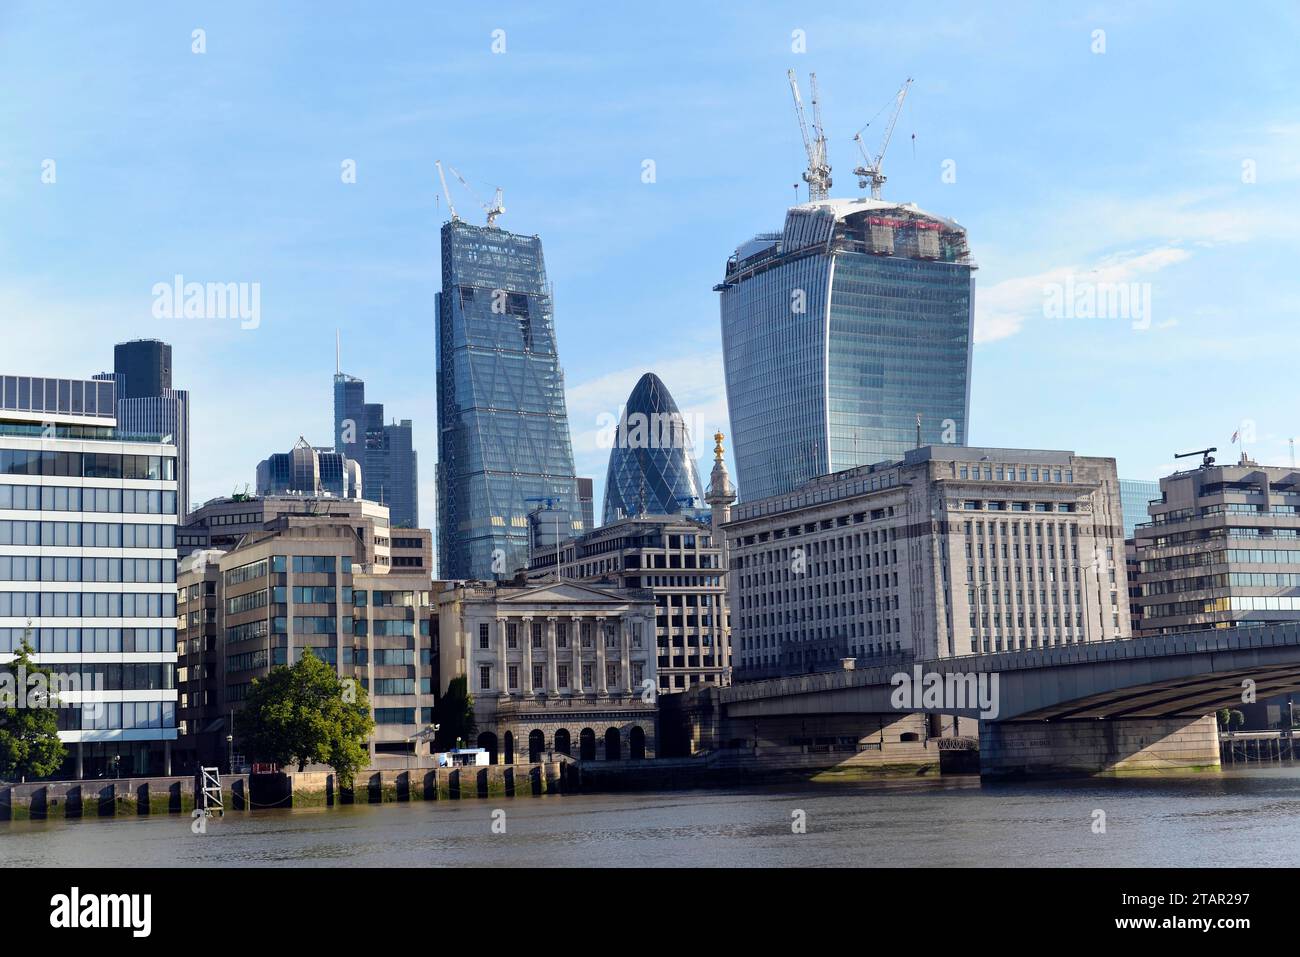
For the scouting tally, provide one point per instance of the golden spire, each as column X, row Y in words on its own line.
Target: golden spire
column 717, row 447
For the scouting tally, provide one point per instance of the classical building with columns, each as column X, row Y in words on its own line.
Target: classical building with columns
column 562, row 667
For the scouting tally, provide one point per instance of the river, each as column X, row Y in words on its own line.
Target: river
column 1230, row 818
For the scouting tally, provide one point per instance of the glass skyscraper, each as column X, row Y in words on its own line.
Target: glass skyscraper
column 651, row 465
column 1134, row 494
column 385, row 452
column 503, row 429
column 837, row 333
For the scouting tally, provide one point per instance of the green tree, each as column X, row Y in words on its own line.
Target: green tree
column 29, row 723
column 455, row 714
column 305, row 715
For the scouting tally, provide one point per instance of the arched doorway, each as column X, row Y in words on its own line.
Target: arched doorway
column 536, row 745
column 510, row 747
column 636, row 743
column 613, row 745
column 488, row 741
column 587, row 745
column 562, row 741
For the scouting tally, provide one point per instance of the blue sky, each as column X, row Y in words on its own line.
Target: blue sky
column 225, row 166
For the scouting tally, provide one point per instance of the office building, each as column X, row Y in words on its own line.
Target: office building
column 148, row 405
column 305, row 470
column 844, row 335
column 88, row 569
column 1221, row 549
column 223, row 523
column 949, row 551
column 303, row 582
column 586, row 502
column 553, row 667
column 503, row 429
column 679, row 562
column 385, row 451
column 652, row 461
column 1134, row 496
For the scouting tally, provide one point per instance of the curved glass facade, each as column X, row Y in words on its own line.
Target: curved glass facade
column 838, row 333
column 503, row 428
column 651, row 468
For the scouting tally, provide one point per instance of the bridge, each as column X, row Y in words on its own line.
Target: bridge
column 1121, row 705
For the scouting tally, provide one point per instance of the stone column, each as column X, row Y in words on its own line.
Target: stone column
column 625, row 666
column 575, row 635
column 552, row 676
column 601, row 687
column 503, row 681
column 526, row 679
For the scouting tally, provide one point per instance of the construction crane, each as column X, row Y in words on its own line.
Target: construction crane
column 870, row 173
column 1207, row 459
column 818, row 174
column 494, row 210
column 445, row 191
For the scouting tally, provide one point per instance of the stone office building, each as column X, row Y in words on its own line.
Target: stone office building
column 677, row 560
column 304, row 582
column 950, row 551
column 553, row 667
column 222, row 523
column 1221, row 549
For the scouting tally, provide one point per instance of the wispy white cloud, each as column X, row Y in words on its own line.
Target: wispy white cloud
column 1003, row 309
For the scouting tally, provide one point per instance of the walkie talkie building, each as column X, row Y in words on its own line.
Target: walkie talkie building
column 837, row 333
column 503, row 429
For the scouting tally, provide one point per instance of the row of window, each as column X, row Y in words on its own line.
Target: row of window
column 50, row 498
column 1009, row 473
column 106, row 465
column 87, row 534
column 27, row 568
column 562, row 674
column 18, row 604
column 79, row 640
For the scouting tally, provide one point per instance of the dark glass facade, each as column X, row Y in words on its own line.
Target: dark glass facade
column 503, row 429
column 143, row 367
column 386, row 453
column 837, row 333
column 651, row 466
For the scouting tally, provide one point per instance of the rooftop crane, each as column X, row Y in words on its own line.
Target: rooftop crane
column 445, row 191
column 870, row 173
column 818, row 173
column 1207, row 459
column 493, row 211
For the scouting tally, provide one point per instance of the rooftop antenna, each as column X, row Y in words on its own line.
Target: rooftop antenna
column 818, row 173
column 1292, row 451
column 870, row 172
column 918, row 430
column 338, row 353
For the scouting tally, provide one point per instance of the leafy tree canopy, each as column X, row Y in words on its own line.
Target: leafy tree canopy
column 306, row 714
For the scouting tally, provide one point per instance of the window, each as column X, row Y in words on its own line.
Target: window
column 538, row 680
column 513, row 676
column 611, row 675
column 537, row 634
column 562, row 675
column 485, row 677
column 483, row 635
column 512, row 635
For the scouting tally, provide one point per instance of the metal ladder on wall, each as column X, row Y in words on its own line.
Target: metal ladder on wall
column 210, row 789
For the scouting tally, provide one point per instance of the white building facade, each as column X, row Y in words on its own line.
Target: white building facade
column 88, row 569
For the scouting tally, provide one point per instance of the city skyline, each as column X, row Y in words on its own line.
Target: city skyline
column 363, row 255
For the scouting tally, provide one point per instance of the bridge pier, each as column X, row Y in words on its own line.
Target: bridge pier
column 1086, row 747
